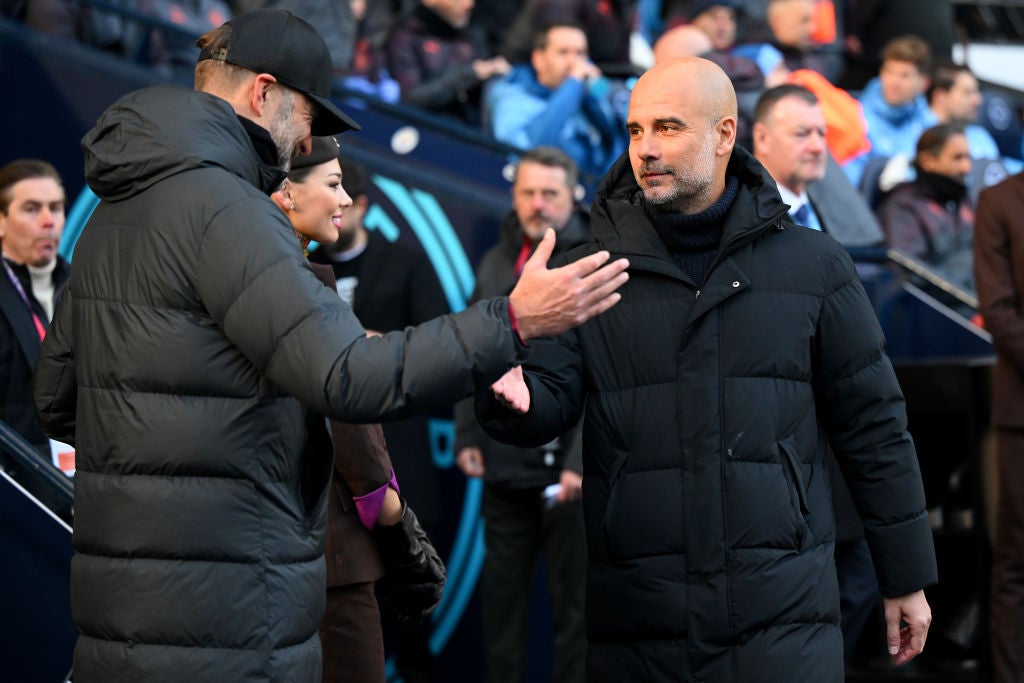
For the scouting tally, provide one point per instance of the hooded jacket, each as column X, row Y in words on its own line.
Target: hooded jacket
column 708, row 413
column 191, row 324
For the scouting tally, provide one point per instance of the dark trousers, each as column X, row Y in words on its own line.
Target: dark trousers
column 350, row 635
column 518, row 527
column 1007, row 623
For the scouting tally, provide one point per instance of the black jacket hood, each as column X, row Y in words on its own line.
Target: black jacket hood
column 154, row 133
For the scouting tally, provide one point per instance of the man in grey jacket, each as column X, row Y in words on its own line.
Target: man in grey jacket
column 191, row 341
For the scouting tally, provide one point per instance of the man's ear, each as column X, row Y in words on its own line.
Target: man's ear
column 726, row 131
column 259, row 92
column 757, row 134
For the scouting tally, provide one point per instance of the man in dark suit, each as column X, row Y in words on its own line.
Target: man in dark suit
column 31, row 223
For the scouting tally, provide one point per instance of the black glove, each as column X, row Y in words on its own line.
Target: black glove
column 415, row 572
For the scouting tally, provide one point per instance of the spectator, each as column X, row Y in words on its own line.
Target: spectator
column 998, row 265
column 791, row 23
column 440, row 61
column 556, row 100
column 931, row 217
column 789, row 141
column 364, row 509
column 846, row 134
column 954, row 96
column 521, row 523
column 894, row 107
column 367, row 71
column 391, row 286
column 191, row 341
column 790, row 130
column 31, row 223
column 709, row 518
column 701, row 38
column 717, row 19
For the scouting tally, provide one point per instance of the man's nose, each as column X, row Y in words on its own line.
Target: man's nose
column 816, row 142
column 306, row 146
column 645, row 147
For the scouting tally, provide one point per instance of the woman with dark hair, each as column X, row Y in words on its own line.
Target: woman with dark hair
column 371, row 532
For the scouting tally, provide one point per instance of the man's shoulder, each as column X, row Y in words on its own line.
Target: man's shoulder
column 795, row 243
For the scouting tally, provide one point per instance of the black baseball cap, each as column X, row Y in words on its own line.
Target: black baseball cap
column 276, row 42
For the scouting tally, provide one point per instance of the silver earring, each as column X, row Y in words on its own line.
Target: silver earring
column 292, row 207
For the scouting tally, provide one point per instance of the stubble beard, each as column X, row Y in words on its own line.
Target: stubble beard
column 287, row 140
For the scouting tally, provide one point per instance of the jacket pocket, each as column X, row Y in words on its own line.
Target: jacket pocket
column 792, row 472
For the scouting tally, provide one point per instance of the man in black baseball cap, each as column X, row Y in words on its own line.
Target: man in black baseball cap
column 281, row 44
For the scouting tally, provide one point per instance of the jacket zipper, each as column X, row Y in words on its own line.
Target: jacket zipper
column 737, row 241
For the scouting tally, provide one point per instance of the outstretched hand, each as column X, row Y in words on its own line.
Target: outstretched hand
column 511, row 391
column 551, row 301
column 912, row 610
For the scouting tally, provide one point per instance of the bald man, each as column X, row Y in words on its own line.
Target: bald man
column 742, row 347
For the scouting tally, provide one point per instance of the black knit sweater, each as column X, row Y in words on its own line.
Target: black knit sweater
column 694, row 239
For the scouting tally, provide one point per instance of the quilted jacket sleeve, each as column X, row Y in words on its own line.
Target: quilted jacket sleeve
column 865, row 414
column 255, row 283
column 55, row 386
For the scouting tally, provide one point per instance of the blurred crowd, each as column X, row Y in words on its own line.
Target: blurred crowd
column 559, row 72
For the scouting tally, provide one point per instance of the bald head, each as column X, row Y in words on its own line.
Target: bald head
column 682, row 129
column 681, row 41
column 689, row 83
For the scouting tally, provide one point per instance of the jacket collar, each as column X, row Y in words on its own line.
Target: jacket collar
column 621, row 226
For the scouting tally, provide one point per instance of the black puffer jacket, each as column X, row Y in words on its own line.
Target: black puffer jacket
column 190, row 322
column 706, row 495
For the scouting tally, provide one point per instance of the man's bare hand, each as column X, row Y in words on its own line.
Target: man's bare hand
column 572, row 486
column 911, row 609
column 471, row 461
column 512, row 392
column 547, row 302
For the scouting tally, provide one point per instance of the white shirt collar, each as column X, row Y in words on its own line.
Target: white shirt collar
column 795, row 201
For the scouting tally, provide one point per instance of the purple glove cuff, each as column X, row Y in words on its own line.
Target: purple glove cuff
column 368, row 506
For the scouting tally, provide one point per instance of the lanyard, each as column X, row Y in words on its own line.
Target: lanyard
column 40, row 329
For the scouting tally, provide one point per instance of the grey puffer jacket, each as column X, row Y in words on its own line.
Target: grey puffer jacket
column 191, row 325
column 708, row 415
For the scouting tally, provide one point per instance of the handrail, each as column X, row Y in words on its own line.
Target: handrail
column 29, row 458
column 883, row 255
